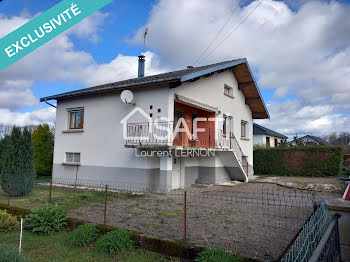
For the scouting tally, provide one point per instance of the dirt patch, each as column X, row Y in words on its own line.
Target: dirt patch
column 251, row 219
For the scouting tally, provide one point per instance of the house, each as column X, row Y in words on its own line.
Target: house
column 263, row 136
column 99, row 137
column 314, row 140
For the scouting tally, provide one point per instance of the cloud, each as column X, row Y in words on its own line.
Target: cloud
column 59, row 60
column 120, row 68
column 299, row 48
column 294, row 116
column 45, row 115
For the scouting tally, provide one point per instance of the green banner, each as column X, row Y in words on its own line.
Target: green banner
column 44, row 27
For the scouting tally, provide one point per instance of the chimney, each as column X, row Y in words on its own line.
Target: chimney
column 141, row 66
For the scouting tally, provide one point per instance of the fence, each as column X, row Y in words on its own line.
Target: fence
column 249, row 219
column 310, row 236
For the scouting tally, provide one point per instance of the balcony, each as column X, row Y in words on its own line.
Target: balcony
column 146, row 136
column 161, row 134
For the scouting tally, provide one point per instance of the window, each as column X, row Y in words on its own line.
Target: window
column 224, row 125
column 228, row 91
column 244, row 129
column 276, row 142
column 72, row 157
column 227, row 126
column 268, row 142
column 76, row 118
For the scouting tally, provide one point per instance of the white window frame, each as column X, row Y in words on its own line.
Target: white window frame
column 244, row 135
column 230, row 91
column 75, row 158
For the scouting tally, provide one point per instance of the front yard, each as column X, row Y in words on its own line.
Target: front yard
column 43, row 248
column 251, row 219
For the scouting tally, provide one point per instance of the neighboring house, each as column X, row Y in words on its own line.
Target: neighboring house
column 314, row 140
column 89, row 143
column 267, row 137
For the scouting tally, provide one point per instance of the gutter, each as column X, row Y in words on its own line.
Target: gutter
column 49, row 103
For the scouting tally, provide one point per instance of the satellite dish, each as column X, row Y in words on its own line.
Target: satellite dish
column 127, row 96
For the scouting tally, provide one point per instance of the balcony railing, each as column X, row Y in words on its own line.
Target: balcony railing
column 146, row 134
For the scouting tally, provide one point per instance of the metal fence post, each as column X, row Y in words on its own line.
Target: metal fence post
column 50, row 192
column 185, row 215
column 9, row 193
column 105, row 211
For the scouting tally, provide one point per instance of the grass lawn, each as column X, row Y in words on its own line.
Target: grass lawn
column 66, row 198
column 54, row 248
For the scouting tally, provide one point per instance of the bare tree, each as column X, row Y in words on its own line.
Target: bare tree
column 5, row 130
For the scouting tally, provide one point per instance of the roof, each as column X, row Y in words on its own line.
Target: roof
column 240, row 68
column 258, row 129
column 319, row 140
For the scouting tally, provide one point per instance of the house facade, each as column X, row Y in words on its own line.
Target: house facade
column 99, row 137
column 314, row 140
column 265, row 137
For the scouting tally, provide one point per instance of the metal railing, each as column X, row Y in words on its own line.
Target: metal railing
column 161, row 133
column 310, row 236
column 329, row 247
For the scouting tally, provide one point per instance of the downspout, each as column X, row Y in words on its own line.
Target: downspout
column 50, row 104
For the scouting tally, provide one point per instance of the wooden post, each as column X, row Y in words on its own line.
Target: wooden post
column 105, row 211
column 9, row 193
column 185, row 216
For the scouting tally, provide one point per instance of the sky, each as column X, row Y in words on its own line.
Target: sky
column 299, row 51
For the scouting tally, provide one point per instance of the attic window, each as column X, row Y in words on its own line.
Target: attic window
column 228, row 91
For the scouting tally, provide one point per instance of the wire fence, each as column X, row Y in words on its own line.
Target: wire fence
column 249, row 219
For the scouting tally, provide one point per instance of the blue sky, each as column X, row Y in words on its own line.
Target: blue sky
column 126, row 17
column 298, row 49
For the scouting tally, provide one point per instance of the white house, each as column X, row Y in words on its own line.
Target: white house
column 314, row 140
column 266, row 137
column 89, row 141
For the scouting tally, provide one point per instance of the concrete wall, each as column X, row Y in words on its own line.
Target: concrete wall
column 101, row 144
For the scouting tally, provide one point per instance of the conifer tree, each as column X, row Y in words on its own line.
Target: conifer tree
column 18, row 163
column 43, row 150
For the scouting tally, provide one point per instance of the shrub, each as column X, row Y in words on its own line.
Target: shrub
column 11, row 254
column 8, row 222
column 308, row 161
column 114, row 242
column 215, row 255
column 83, row 235
column 46, row 220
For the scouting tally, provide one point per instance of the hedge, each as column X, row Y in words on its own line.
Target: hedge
column 309, row 161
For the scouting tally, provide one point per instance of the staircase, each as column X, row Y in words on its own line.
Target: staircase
column 230, row 142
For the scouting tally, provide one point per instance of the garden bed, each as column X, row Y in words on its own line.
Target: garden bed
column 54, row 248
